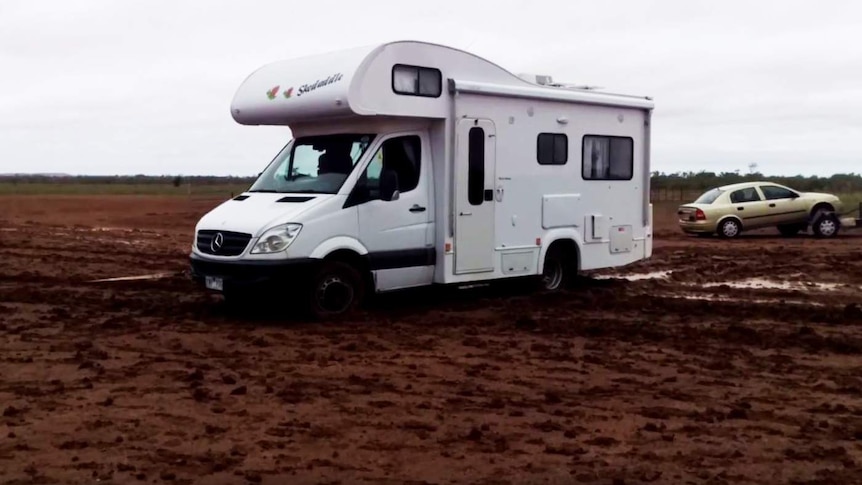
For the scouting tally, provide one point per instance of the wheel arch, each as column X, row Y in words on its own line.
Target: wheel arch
column 346, row 250
column 821, row 206
column 729, row 216
column 569, row 240
column 358, row 261
column 337, row 244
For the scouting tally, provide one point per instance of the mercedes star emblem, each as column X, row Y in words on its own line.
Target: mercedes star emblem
column 217, row 241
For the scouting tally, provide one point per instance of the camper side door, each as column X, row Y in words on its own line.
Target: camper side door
column 395, row 212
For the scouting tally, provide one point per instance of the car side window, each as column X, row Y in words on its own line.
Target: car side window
column 772, row 192
column 744, row 195
column 401, row 155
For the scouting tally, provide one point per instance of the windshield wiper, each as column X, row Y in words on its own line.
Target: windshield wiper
column 268, row 191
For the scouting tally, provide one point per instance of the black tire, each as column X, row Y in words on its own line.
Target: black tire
column 335, row 291
column 559, row 271
column 825, row 225
column 729, row 229
column 790, row 230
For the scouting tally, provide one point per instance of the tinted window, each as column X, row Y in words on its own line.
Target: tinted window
column 608, row 158
column 552, row 149
column 744, row 195
column 476, row 166
column 771, row 192
column 417, row 81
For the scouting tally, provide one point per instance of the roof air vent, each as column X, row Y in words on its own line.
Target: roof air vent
column 540, row 79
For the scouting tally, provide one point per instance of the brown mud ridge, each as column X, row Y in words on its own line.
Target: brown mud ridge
column 684, row 374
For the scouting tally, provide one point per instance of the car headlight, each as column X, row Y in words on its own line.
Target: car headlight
column 276, row 239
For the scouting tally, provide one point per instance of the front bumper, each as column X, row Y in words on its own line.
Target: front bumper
column 245, row 274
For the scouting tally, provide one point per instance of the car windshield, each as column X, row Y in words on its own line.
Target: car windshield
column 709, row 196
column 313, row 164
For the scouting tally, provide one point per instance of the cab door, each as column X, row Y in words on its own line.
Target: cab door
column 395, row 214
column 783, row 205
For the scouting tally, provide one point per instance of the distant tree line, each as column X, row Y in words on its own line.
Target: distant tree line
column 681, row 181
column 842, row 183
column 175, row 180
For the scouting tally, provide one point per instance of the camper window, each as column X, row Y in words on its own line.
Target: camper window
column 552, row 149
column 317, row 165
column 608, row 158
column 417, row 81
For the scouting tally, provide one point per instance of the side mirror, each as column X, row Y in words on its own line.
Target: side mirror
column 389, row 185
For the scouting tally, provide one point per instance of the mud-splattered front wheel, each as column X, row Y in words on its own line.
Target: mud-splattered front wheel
column 825, row 225
column 336, row 290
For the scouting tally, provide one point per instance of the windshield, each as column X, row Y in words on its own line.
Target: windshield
column 709, row 196
column 313, row 164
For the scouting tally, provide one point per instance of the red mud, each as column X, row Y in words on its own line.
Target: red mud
column 615, row 382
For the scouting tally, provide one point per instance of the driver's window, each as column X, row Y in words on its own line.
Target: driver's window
column 772, row 192
column 400, row 155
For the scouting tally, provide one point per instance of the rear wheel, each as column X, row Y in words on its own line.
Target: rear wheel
column 729, row 229
column 335, row 291
column 559, row 270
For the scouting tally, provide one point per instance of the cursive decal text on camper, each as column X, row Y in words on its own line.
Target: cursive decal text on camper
column 306, row 88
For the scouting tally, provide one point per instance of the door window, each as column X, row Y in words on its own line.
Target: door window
column 744, row 195
column 401, row 155
column 772, row 192
column 476, row 166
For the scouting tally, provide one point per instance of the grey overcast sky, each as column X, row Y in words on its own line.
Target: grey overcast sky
column 125, row 87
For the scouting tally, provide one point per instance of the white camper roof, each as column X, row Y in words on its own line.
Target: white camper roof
column 359, row 81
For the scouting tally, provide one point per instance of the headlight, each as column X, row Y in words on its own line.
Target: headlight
column 276, row 239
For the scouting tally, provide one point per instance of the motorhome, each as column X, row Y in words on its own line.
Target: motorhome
column 411, row 164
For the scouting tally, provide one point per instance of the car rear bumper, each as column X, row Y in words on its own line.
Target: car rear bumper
column 697, row 227
column 246, row 274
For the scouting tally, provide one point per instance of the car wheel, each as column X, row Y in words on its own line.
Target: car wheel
column 335, row 291
column 825, row 225
column 729, row 229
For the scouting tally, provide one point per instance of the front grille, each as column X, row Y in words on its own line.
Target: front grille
column 232, row 243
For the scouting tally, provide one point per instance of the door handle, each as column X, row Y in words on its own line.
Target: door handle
column 465, row 213
column 417, row 208
column 740, row 208
column 772, row 205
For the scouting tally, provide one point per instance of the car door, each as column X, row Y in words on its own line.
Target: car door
column 783, row 205
column 749, row 206
column 397, row 233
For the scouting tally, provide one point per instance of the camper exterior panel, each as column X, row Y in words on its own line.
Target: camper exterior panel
column 523, row 186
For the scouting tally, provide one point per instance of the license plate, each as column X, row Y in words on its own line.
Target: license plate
column 214, row 283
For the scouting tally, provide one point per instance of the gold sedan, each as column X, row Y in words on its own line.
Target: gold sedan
column 732, row 209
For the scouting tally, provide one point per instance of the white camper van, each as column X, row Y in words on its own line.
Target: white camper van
column 414, row 164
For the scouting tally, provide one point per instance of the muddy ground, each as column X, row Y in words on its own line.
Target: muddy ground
column 714, row 362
